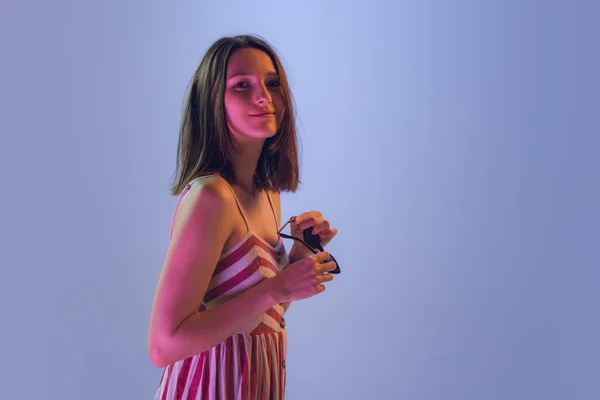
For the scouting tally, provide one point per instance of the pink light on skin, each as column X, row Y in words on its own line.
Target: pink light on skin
column 253, row 98
column 265, row 116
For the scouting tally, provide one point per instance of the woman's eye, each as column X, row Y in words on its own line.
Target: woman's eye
column 246, row 85
column 241, row 85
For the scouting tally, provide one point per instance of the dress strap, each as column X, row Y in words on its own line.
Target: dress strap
column 183, row 192
column 273, row 209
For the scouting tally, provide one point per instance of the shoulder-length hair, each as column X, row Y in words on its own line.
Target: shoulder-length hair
column 205, row 144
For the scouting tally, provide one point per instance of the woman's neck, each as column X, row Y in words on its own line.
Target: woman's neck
column 244, row 165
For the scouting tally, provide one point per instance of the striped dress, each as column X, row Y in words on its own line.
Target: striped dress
column 250, row 364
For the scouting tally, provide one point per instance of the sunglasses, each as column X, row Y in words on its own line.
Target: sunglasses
column 312, row 242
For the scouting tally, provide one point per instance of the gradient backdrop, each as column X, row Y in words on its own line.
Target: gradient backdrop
column 455, row 145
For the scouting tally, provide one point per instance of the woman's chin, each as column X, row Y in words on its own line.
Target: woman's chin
column 254, row 136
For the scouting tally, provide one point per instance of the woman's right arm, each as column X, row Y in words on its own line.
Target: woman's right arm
column 201, row 228
column 202, row 225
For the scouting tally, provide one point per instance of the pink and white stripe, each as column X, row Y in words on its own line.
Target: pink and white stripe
column 251, row 363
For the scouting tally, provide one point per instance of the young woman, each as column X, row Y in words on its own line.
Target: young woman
column 217, row 323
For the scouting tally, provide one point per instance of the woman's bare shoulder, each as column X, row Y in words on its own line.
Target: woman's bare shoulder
column 208, row 194
column 210, row 187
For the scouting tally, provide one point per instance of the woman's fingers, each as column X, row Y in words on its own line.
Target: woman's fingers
column 324, row 277
column 320, row 258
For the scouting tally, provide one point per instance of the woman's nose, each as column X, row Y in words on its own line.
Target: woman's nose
column 262, row 94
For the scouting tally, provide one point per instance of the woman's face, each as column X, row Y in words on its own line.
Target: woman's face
column 253, row 100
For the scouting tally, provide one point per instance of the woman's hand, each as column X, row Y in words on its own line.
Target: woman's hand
column 303, row 278
column 320, row 226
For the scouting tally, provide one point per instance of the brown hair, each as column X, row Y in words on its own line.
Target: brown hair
column 205, row 144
